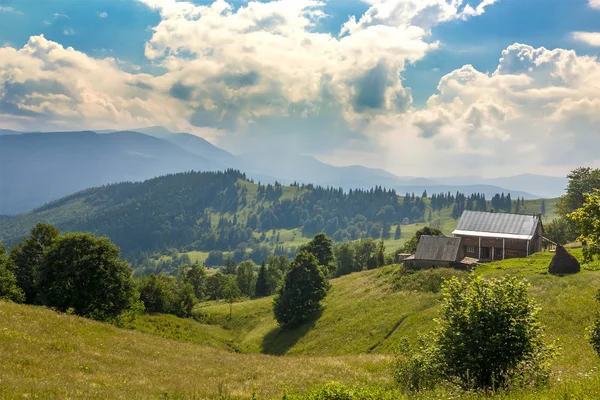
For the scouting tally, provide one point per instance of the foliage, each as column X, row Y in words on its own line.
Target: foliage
column 345, row 258
column 84, row 273
column 417, row 369
column 587, row 219
column 231, row 291
column 337, row 391
column 305, row 286
column 262, row 284
column 594, row 330
column 246, row 278
column 561, row 230
column 28, row 256
column 320, row 246
column 411, row 245
column 430, row 281
column 197, row 277
column 9, row 290
column 488, row 335
column 214, row 286
column 582, row 181
column 166, row 294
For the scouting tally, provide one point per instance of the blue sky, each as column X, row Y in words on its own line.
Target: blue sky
column 378, row 103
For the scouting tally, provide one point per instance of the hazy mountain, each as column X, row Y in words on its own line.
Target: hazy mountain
column 307, row 169
column 39, row 167
column 202, row 147
column 9, row 132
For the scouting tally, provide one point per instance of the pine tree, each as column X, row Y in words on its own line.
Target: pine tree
column 543, row 208
column 262, row 284
column 398, row 232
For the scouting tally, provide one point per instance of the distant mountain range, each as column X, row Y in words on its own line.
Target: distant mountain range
column 39, row 167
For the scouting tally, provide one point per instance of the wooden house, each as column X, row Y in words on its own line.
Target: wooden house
column 497, row 236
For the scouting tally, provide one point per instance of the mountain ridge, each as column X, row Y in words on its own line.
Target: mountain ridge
column 38, row 167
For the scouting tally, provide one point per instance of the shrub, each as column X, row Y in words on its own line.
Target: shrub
column 594, row 330
column 337, row 391
column 488, row 336
column 8, row 283
column 430, row 280
column 417, row 369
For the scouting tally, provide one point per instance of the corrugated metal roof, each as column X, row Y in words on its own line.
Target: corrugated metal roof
column 490, row 224
column 438, row 248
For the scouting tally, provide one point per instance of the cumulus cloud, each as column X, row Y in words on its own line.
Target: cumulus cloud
column 49, row 87
column 539, row 107
column 263, row 70
column 590, row 38
column 11, row 10
column 595, row 4
column 103, row 14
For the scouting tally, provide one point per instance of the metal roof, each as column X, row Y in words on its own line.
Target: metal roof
column 438, row 248
column 500, row 225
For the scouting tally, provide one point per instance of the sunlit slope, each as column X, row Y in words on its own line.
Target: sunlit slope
column 48, row 355
column 364, row 314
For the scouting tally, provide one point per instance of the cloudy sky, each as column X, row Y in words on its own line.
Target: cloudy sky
column 418, row 87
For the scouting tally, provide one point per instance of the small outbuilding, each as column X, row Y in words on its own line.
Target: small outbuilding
column 437, row 251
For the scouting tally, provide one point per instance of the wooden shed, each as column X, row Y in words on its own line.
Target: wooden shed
column 436, row 251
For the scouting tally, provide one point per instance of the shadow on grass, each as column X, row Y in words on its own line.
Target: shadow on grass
column 278, row 341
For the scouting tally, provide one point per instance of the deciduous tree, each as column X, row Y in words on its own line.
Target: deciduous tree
column 305, row 286
column 84, row 273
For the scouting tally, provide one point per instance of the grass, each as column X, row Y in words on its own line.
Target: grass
column 352, row 341
column 50, row 355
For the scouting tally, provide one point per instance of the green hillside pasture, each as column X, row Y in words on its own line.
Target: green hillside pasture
column 363, row 313
column 359, row 314
column 56, row 356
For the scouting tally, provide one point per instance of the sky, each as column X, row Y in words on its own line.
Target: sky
column 416, row 87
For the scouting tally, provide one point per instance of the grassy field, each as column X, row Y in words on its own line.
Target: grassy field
column 53, row 356
column 351, row 341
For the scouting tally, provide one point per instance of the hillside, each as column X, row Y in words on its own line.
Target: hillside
column 364, row 318
column 36, row 168
column 199, row 212
column 39, row 167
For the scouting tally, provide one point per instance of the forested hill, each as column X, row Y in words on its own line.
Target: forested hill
column 216, row 211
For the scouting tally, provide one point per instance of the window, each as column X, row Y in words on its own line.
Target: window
column 470, row 249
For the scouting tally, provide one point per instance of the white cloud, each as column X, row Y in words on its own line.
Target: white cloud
column 539, row 108
column 48, row 86
column 590, row 38
column 68, row 31
column 264, row 71
column 11, row 10
column 595, row 4
column 103, row 14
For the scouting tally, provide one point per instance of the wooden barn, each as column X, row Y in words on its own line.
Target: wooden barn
column 436, row 251
column 489, row 236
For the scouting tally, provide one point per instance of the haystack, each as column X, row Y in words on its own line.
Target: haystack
column 563, row 262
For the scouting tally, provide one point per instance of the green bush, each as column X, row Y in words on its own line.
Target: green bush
column 337, row 391
column 430, row 280
column 8, row 283
column 594, row 330
column 488, row 336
